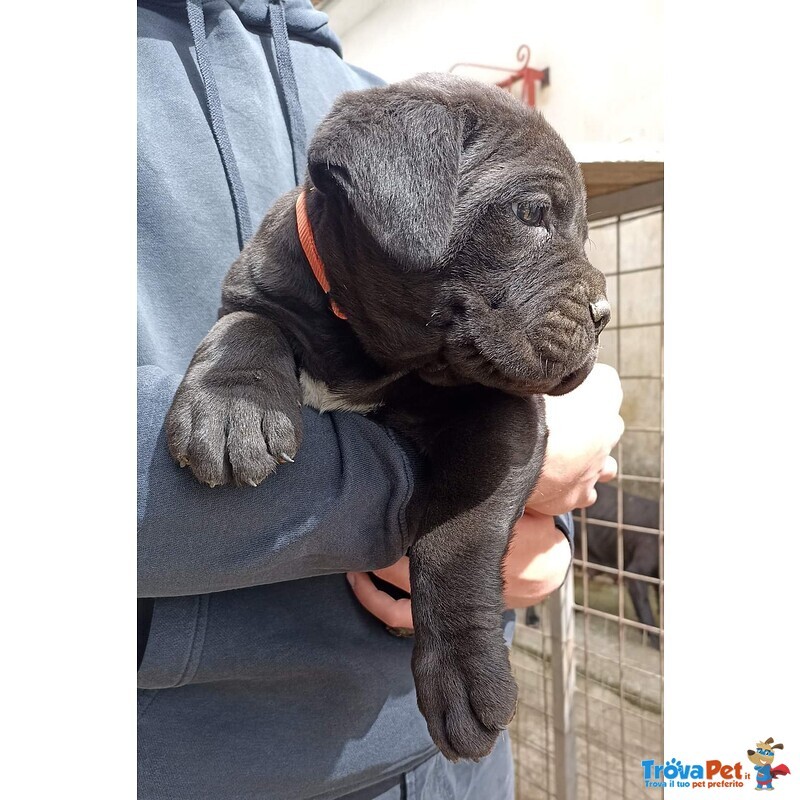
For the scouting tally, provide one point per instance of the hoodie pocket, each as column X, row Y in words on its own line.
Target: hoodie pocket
column 175, row 643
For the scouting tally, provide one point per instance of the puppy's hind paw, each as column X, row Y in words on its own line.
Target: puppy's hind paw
column 467, row 700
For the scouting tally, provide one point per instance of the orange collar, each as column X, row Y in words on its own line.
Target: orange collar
column 310, row 249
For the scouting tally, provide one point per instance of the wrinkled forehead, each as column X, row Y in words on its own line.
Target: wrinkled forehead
column 524, row 162
column 535, row 177
column 521, row 138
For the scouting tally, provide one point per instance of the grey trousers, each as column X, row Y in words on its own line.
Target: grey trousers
column 492, row 778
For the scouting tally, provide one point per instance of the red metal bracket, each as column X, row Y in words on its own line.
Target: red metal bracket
column 528, row 75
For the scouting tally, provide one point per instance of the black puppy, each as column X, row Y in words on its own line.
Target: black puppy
column 640, row 551
column 450, row 222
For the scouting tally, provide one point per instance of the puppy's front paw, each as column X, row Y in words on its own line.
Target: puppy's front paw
column 465, row 691
column 233, row 434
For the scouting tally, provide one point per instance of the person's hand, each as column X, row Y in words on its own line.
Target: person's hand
column 537, row 561
column 393, row 613
column 535, row 565
column 584, row 426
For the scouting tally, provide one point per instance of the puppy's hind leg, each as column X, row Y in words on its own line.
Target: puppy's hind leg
column 483, row 468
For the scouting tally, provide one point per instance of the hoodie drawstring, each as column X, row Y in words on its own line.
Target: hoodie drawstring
column 287, row 88
column 194, row 9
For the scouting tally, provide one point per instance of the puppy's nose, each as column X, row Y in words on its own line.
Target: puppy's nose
column 601, row 314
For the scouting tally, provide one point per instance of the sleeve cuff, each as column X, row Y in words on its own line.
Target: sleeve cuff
column 565, row 524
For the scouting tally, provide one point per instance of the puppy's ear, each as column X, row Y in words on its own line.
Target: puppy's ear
column 395, row 159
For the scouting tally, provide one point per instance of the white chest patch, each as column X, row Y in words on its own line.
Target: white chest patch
column 317, row 394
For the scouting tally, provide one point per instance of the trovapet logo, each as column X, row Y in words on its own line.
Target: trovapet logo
column 716, row 774
column 676, row 774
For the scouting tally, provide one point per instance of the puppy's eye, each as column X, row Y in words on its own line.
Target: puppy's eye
column 528, row 212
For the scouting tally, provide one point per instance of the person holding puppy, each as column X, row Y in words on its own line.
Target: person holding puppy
column 262, row 674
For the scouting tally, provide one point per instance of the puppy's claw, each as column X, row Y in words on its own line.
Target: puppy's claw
column 285, row 458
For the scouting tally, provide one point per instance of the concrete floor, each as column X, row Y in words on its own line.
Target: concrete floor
column 617, row 711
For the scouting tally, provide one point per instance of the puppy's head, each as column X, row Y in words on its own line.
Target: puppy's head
column 455, row 237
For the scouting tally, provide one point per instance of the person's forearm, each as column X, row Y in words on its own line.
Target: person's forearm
column 339, row 507
column 537, row 561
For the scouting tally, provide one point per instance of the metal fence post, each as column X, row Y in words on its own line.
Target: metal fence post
column 562, row 625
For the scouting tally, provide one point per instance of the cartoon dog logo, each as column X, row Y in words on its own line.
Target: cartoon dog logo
column 762, row 757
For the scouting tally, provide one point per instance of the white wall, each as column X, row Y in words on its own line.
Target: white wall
column 605, row 59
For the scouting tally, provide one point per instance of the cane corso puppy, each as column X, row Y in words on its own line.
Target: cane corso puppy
column 430, row 273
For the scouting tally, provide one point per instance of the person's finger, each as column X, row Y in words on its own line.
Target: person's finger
column 397, row 574
column 608, row 471
column 620, row 428
column 608, row 383
column 394, row 613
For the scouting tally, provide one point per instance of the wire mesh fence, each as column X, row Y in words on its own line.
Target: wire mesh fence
column 590, row 669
